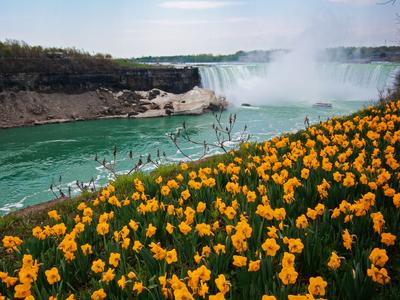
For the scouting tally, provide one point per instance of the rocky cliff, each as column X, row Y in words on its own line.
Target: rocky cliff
column 173, row 80
column 24, row 108
column 52, row 91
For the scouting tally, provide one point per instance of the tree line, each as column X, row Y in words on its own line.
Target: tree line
column 19, row 49
column 383, row 53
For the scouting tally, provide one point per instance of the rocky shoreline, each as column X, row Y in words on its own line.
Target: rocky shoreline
column 29, row 108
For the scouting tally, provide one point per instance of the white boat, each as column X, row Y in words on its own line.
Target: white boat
column 322, row 105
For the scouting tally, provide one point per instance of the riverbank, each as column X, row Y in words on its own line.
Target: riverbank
column 269, row 218
column 33, row 157
column 27, row 108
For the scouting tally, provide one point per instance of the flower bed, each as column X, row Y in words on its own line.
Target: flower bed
column 306, row 216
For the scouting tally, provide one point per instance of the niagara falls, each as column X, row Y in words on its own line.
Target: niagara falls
column 199, row 149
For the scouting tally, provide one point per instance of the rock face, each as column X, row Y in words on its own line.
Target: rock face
column 41, row 91
column 173, row 80
column 24, row 108
column 194, row 102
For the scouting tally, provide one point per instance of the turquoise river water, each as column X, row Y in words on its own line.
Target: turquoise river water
column 31, row 158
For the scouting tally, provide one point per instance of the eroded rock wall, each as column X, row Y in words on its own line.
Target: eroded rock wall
column 172, row 80
column 25, row 108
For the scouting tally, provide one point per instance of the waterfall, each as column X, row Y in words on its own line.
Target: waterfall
column 372, row 75
column 331, row 81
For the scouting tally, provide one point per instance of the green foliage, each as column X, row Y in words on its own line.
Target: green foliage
column 20, row 49
column 128, row 63
column 263, row 170
column 262, row 56
column 19, row 57
column 383, row 53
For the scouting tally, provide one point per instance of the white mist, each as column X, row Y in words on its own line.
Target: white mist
column 302, row 75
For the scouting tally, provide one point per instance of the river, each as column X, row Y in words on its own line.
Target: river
column 31, row 158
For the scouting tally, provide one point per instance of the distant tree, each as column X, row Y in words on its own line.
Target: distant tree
column 17, row 56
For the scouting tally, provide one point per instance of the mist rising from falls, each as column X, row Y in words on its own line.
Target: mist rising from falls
column 303, row 74
column 298, row 80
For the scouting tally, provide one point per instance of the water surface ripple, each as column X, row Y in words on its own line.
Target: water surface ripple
column 32, row 157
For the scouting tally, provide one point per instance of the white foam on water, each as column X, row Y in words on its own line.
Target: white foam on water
column 57, row 141
column 18, row 204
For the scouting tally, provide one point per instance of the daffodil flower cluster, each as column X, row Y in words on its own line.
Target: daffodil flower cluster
column 310, row 215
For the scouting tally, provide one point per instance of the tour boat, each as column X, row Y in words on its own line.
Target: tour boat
column 322, row 105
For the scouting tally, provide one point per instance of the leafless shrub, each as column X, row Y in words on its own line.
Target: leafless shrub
column 109, row 166
column 138, row 165
column 57, row 189
column 91, row 186
column 223, row 136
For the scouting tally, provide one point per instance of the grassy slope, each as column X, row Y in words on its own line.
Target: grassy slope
column 13, row 224
column 21, row 225
column 352, row 282
column 128, row 63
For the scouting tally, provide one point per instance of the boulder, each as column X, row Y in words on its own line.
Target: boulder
column 29, row 107
column 154, row 93
column 194, row 102
column 198, row 101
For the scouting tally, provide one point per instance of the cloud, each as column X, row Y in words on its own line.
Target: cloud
column 197, row 4
column 180, row 22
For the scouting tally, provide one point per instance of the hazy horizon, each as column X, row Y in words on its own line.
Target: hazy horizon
column 261, row 50
column 163, row 28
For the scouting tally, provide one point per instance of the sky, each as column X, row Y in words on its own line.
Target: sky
column 132, row 28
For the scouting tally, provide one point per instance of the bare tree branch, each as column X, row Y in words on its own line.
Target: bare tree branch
column 223, row 136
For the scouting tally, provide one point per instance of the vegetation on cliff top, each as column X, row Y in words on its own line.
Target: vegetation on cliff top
column 383, row 53
column 205, row 58
column 20, row 49
column 314, row 214
column 19, row 57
